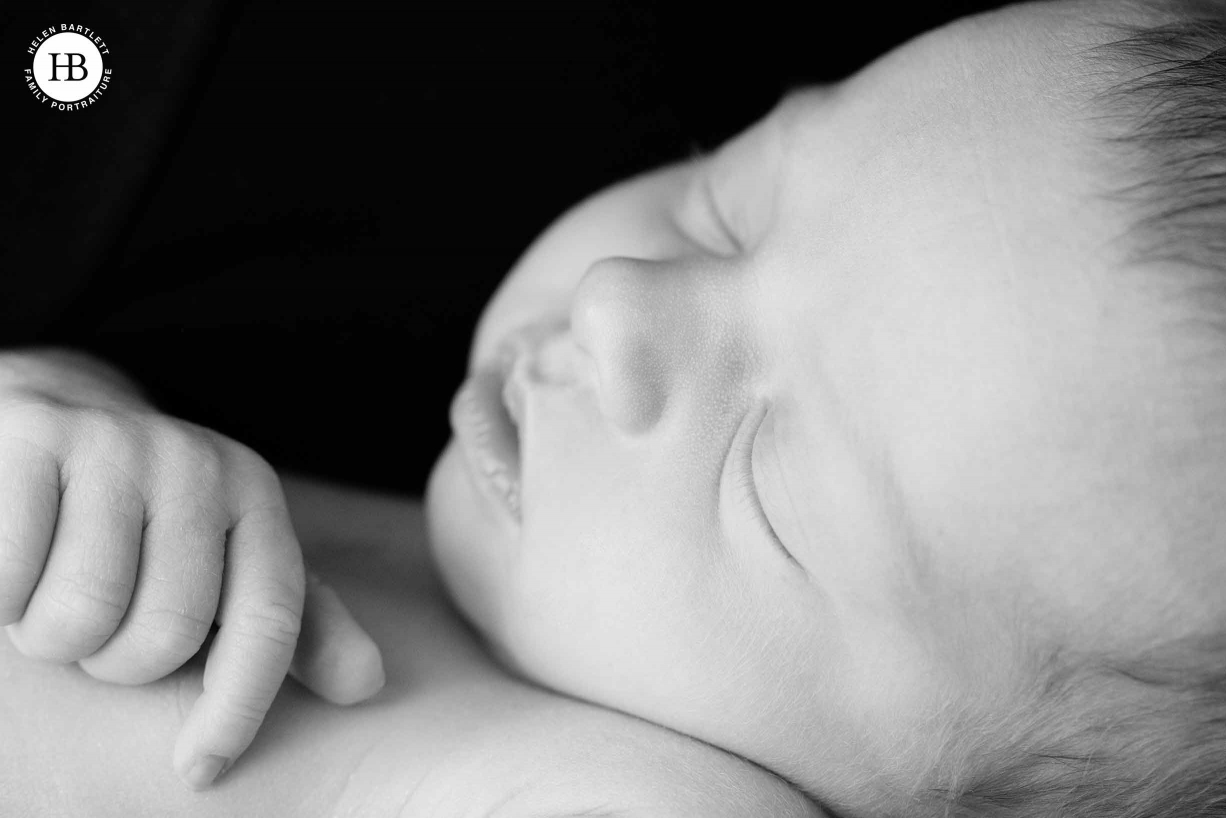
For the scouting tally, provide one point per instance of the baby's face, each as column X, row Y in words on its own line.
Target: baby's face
column 826, row 436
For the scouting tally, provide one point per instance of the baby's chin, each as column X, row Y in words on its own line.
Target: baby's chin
column 468, row 553
column 465, row 544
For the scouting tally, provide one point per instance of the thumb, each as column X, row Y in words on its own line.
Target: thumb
column 335, row 658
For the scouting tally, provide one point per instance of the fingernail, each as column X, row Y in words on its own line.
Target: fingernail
column 206, row 771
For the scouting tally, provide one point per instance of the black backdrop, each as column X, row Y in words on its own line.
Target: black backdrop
column 284, row 218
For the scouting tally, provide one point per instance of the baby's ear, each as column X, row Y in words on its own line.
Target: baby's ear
column 335, row 658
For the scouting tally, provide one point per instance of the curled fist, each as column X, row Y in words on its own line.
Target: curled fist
column 126, row 534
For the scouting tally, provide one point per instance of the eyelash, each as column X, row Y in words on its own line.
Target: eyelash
column 748, row 491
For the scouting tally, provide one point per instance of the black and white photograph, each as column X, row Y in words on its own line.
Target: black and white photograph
column 630, row 409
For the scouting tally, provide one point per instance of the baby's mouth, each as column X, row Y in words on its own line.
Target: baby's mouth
column 488, row 413
column 487, row 429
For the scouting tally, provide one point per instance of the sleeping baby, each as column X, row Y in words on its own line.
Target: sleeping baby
column 883, row 447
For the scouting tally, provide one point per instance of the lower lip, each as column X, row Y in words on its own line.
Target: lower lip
column 488, row 439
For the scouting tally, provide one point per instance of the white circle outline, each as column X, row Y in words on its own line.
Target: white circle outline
column 97, row 80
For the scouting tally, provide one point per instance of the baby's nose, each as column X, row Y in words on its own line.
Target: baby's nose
column 625, row 315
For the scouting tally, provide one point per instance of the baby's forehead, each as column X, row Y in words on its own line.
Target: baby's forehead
column 1002, row 75
column 940, row 269
column 974, row 139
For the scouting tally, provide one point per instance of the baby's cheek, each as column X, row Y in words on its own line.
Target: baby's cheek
column 463, row 542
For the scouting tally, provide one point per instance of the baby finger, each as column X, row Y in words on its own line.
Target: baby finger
column 90, row 571
column 30, row 488
column 260, row 617
column 177, row 589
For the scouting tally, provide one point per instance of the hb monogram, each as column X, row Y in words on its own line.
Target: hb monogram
column 70, row 65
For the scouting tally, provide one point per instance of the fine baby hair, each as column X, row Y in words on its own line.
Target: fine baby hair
column 1144, row 733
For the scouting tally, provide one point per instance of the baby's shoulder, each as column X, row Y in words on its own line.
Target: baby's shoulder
column 558, row 758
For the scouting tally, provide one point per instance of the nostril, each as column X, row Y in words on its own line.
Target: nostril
column 560, row 360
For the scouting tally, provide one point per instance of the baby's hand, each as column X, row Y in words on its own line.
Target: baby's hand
column 125, row 533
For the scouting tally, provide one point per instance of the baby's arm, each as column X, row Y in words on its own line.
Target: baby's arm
column 127, row 533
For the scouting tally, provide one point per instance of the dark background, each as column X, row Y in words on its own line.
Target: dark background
column 284, row 218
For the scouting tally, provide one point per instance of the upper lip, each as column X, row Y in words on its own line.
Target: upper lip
column 509, row 361
column 516, row 361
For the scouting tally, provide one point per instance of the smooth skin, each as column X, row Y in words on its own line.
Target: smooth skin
column 451, row 734
column 831, row 438
column 127, row 534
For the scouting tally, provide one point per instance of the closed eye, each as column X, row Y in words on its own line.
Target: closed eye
column 700, row 219
column 747, row 489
